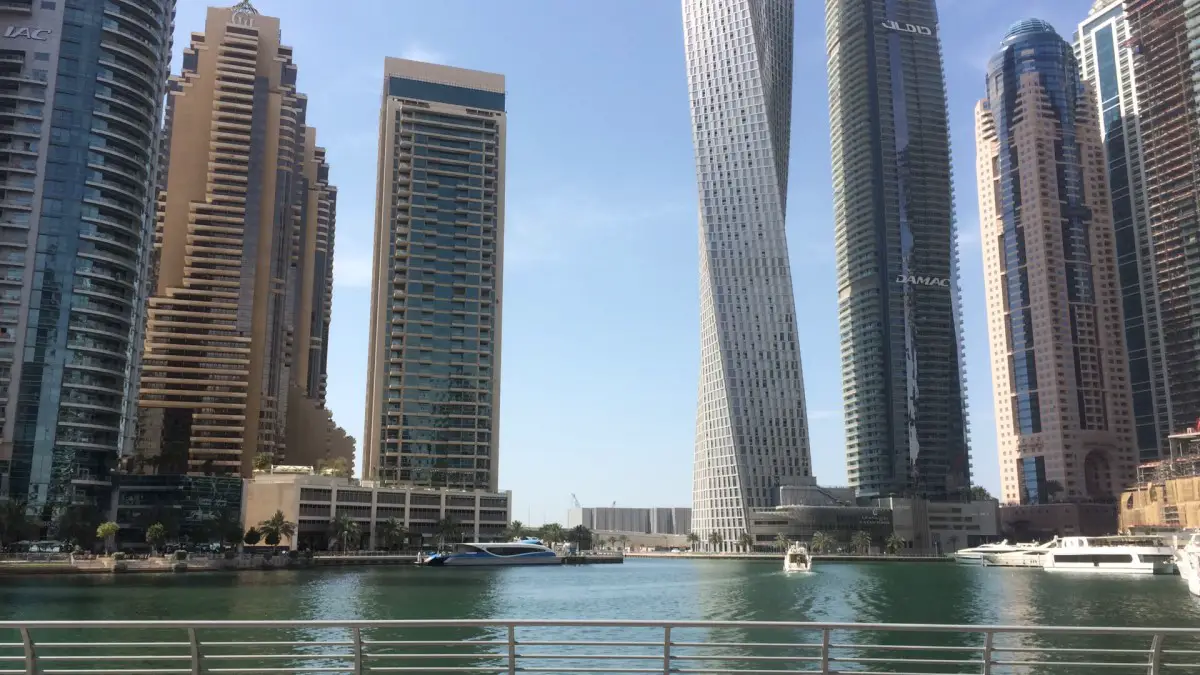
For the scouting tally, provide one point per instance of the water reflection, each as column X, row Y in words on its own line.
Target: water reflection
column 679, row 590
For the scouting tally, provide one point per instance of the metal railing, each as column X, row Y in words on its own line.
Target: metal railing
column 486, row 646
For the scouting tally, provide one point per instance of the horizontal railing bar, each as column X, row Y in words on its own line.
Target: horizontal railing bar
column 910, row 648
column 110, row 645
column 447, row 643
column 743, row 658
column 924, row 662
column 1070, row 664
column 1081, row 650
column 300, row 669
column 117, row 657
column 776, row 645
column 582, row 643
column 205, row 643
column 300, row 656
column 122, row 671
column 589, row 670
column 427, row 669
column 709, row 671
column 618, row 657
column 581, row 623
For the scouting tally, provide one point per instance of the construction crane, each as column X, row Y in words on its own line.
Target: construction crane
column 575, row 501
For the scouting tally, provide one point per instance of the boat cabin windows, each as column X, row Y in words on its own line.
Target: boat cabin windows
column 1095, row 558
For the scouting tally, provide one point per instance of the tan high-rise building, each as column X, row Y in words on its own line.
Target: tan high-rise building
column 433, row 373
column 238, row 318
column 1063, row 404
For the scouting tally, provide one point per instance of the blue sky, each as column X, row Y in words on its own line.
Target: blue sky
column 600, row 335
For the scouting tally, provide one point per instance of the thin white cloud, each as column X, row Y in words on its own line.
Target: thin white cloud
column 419, row 52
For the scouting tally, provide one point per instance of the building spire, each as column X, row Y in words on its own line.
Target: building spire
column 244, row 7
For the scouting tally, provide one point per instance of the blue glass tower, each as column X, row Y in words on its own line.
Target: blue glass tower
column 81, row 93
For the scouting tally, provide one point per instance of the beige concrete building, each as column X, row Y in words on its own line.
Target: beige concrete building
column 238, row 317
column 433, row 374
column 1062, row 396
column 314, row 502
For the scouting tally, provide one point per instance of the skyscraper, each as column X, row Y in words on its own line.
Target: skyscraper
column 1107, row 64
column 1166, row 66
column 433, row 374
column 239, row 314
column 80, row 105
column 751, row 432
column 897, row 252
column 1063, row 411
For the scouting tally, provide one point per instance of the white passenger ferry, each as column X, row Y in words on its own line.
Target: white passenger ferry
column 1123, row 555
column 475, row 554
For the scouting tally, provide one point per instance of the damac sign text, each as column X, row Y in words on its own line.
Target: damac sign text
column 922, row 281
column 27, row 32
column 906, row 28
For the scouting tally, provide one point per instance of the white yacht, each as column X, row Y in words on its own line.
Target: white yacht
column 974, row 556
column 522, row 552
column 1124, row 555
column 797, row 559
column 1028, row 555
column 1187, row 559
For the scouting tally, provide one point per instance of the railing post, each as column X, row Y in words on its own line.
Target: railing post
column 824, row 651
column 987, row 652
column 194, row 645
column 30, row 654
column 667, row 650
column 356, row 635
column 1156, row 648
column 512, row 649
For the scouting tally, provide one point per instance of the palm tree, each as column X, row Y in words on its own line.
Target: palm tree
column 821, row 542
column 342, row 530
column 338, row 466
column 389, row 534
column 861, row 542
column 276, row 529
column 264, row 461
column 781, row 542
column 746, row 541
column 447, row 529
column 624, row 541
column 514, row 530
column 252, row 537
column 612, row 542
column 551, row 533
column 894, row 544
column 715, row 539
column 581, row 537
column 228, row 528
column 980, row 494
column 693, row 539
column 108, row 532
column 156, row 536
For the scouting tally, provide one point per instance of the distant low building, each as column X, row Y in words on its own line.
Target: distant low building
column 670, row 520
column 313, row 502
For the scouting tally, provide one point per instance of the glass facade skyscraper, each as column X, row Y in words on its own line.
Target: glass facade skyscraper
column 1064, row 418
column 751, row 433
column 897, row 256
column 1107, row 63
column 81, row 91
column 433, row 374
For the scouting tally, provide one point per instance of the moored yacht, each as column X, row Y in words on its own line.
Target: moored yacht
column 1028, row 555
column 1187, row 559
column 476, row 554
column 974, row 556
column 1123, row 555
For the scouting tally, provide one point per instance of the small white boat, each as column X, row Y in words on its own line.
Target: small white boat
column 974, row 556
column 1122, row 555
column 1187, row 559
column 1029, row 555
column 797, row 559
column 476, row 554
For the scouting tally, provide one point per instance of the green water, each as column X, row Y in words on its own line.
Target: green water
column 639, row 589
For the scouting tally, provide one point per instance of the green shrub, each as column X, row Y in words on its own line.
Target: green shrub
column 119, row 556
column 181, row 554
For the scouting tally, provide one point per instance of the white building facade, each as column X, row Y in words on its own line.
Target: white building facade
column 751, row 431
